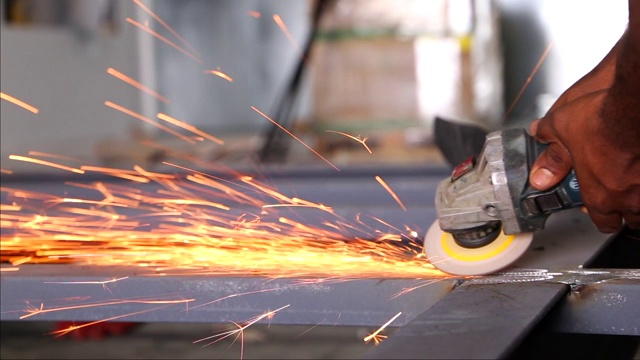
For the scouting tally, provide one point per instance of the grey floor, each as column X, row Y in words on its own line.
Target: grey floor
column 29, row 340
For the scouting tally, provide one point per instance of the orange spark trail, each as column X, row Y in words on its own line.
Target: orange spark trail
column 529, row 79
column 18, row 102
column 164, row 24
column 6, row 171
column 139, row 86
column 6, row 207
column 53, row 156
column 148, row 121
column 45, row 163
column 254, row 14
column 285, row 30
column 391, row 192
column 241, row 328
column 9, row 269
column 76, row 327
column 164, row 39
column 293, row 136
column 42, row 310
column 378, row 338
column 88, row 282
column 188, row 127
column 220, row 74
column 358, row 139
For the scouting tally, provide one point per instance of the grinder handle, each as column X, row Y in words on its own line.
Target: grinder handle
column 565, row 195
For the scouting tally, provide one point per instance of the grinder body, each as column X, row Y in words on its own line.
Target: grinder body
column 488, row 198
column 495, row 187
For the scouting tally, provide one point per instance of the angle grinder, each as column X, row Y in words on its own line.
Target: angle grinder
column 487, row 211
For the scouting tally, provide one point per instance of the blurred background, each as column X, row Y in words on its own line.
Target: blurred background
column 375, row 69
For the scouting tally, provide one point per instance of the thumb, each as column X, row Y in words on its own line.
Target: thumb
column 551, row 167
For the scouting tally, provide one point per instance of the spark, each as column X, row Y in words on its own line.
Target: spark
column 6, row 207
column 295, row 137
column 529, row 79
column 117, row 74
column 147, row 120
column 9, row 269
column 45, row 163
column 391, row 192
column 413, row 288
column 103, row 283
column 88, row 282
column 164, row 39
column 6, row 171
column 21, row 261
column 286, row 31
column 220, row 74
column 76, row 327
column 53, row 156
column 42, row 310
column 188, row 127
column 375, row 336
column 240, row 328
column 358, row 139
column 321, row 207
column 164, row 24
column 18, row 102
column 254, row 14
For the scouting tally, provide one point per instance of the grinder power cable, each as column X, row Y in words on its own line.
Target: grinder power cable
column 487, row 211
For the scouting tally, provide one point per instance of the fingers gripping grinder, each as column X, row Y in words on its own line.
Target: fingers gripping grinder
column 487, row 211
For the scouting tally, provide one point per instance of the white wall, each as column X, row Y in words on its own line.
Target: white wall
column 52, row 69
column 581, row 33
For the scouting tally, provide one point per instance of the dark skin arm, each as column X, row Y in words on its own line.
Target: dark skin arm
column 594, row 128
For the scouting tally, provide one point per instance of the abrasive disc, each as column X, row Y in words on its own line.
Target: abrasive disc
column 444, row 253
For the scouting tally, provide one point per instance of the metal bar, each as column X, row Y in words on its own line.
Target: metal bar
column 475, row 321
column 606, row 308
column 215, row 299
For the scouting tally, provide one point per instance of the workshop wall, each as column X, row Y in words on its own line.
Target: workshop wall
column 60, row 68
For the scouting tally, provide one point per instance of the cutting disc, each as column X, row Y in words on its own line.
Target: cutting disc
column 445, row 254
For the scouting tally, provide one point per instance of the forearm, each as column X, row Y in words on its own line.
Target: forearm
column 621, row 108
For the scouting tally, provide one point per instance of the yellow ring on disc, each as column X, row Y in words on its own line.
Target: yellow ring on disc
column 500, row 244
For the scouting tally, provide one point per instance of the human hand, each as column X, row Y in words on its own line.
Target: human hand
column 608, row 173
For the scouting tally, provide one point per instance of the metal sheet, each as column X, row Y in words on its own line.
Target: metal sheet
column 474, row 321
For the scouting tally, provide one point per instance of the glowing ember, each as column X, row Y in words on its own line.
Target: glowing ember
column 219, row 74
column 164, row 24
column 18, row 102
column 286, row 31
column 391, row 192
column 239, row 332
column 146, row 28
column 375, row 336
column 46, row 163
column 147, row 120
column 188, row 127
column 293, row 136
column 117, row 74
column 356, row 138
column 526, row 83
